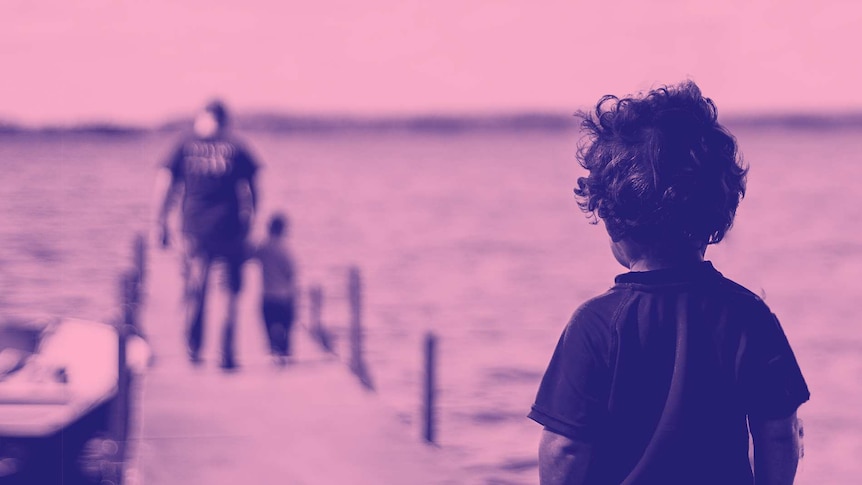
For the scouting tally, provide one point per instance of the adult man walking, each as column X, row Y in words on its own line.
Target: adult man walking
column 214, row 175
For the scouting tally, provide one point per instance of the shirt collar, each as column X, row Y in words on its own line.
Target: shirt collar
column 680, row 274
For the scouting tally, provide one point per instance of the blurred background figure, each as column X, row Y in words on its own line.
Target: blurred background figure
column 279, row 287
column 215, row 175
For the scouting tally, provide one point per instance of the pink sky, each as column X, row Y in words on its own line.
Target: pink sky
column 142, row 61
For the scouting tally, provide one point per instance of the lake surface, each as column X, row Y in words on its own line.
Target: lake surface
column 476, row 237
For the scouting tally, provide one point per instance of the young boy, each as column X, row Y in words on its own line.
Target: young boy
column 660, row 379
column 279, row 287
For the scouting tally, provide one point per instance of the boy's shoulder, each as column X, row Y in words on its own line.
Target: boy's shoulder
column 740, row 294
column 606, row 306
column 598, row 310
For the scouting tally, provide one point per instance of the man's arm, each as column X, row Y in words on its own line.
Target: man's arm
column 562, row 461
column 291, row 272
column 246, row 188
column 776, row 449
column 247, row 195
column 167, row 192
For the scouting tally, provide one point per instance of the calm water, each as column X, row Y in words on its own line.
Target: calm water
column 474, row 237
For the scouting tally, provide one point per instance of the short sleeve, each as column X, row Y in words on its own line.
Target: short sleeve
column 174, row 163
column 246, row 164
column 572, row 397
column 771, row 380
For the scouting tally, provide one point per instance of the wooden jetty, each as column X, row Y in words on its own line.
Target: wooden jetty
column 311, row 422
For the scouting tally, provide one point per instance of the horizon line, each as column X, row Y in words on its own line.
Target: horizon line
column 274, row 121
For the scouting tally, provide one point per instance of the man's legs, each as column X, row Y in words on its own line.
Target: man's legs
column 196, row 268
column 228, row 353
column 233, row 285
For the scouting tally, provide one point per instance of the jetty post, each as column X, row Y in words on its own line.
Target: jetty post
column 429, row 390
column 131, row 297
column 357, row 357
column 315, row 317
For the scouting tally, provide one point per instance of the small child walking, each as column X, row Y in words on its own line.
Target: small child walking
column 279, row 287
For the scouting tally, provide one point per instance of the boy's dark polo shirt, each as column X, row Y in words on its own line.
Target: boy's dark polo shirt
column 659, row 373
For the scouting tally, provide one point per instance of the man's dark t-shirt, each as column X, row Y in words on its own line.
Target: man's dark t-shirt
column 660, row 373
column 211, row 170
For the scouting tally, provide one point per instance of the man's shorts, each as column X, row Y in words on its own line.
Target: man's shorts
column 230, row 253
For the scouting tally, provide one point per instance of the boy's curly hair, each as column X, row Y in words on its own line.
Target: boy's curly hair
column 661, row 168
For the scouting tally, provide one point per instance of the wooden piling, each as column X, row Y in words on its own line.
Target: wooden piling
column 315, row 323
column 315, row 308
column 139, row 259
column 429, row 396
column 131, row 297
column 357, row 357
column 354, row 291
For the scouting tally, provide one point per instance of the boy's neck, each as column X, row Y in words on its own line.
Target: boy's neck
column 655, row 264
column 636, row 257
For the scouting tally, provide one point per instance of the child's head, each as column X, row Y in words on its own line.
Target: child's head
column 662, row 171
column 278, row 224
